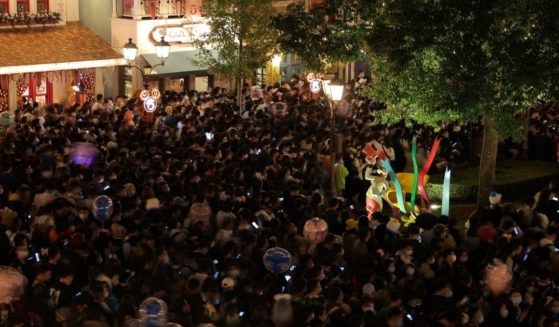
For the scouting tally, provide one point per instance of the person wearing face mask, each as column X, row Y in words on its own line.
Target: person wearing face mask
column 520, row 307
column 314, row 298
column 96, row 300
column 476, row 316
column 448, row 266
column 369, row 312
column 442, row 298
column 162, row 270
column 40, row 293
column 554, row 307
column 394, row 317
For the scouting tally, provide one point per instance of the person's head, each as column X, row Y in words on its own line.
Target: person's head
column 476, row 315
column 334, row 294
column 394, row 317
column 516, row 297
column 449, row 256
column 99, row 97
column 53, row 254
column 65, row 275
column 43, row 274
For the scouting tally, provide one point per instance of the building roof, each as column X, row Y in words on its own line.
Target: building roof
column 62, row 44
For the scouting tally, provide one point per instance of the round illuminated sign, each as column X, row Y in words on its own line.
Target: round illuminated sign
column 155, row 93
column 144, row 95
column 150, row 104
column 315, row 86
column 310, row 77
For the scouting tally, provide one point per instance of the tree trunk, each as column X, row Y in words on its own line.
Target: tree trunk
column 487, row 163
column 240, row 74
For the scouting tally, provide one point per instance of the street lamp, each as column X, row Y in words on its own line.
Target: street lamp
column 334, row 90
column 336, row 87
column 276, row 61
column 130, row 51
column 162, row 49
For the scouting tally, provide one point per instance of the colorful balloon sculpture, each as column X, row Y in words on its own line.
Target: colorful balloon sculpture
column 400, row 184
column 277, row 260
column 315, row 230
column 102, row 208
column 379, row 185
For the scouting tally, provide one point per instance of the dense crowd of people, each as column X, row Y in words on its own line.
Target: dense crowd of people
column 205, row 188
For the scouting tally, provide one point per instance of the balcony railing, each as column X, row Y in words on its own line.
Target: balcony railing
column 27, row 18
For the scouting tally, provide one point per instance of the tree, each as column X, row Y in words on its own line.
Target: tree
column 442, row 60
column 329, row 33
column 240, row 38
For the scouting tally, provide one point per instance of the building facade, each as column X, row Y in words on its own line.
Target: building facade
column 48, row 55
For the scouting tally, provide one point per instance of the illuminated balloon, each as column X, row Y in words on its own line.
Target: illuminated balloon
column 12, row 284
column 498, row 278
column 153, row 312
column 102, row 207
column 315, row 230
column 277, row 260
column 83, row 154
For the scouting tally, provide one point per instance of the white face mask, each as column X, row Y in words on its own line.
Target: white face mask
column 410, row 271
column 369, row 308
column 481, row 319
column 516, row 300
column 105, row 294
column 391, row 269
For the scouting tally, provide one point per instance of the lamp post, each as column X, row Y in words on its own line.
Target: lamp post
column 130, row 51
column 334, row 90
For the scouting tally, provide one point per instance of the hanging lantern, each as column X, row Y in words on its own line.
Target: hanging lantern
column 315, row 230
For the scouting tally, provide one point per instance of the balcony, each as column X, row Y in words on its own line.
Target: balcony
column 153, row 9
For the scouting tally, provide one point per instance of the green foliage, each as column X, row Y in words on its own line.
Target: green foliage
column 323, row 35
column 240, row 37
column 441, row 60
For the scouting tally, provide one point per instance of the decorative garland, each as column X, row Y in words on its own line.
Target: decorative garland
column 3, row 99
column 88, row 82
column 21, row 86
column 28, row 19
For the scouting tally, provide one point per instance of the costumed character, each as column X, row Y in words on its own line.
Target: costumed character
column 377, row 177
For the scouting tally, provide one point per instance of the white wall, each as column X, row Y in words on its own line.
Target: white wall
column 139, row 31
column 73, row 10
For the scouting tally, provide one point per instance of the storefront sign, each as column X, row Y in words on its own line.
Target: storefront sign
column 181, row 34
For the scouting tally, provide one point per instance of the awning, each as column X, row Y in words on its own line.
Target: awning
column 70, row 46
column 178, row 62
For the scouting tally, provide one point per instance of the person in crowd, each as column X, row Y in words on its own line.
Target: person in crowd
column 201, row 192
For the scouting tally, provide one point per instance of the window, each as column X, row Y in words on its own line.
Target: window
column 22, row 6
column 5, row 6
column 42, row 5
column 151, row 8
